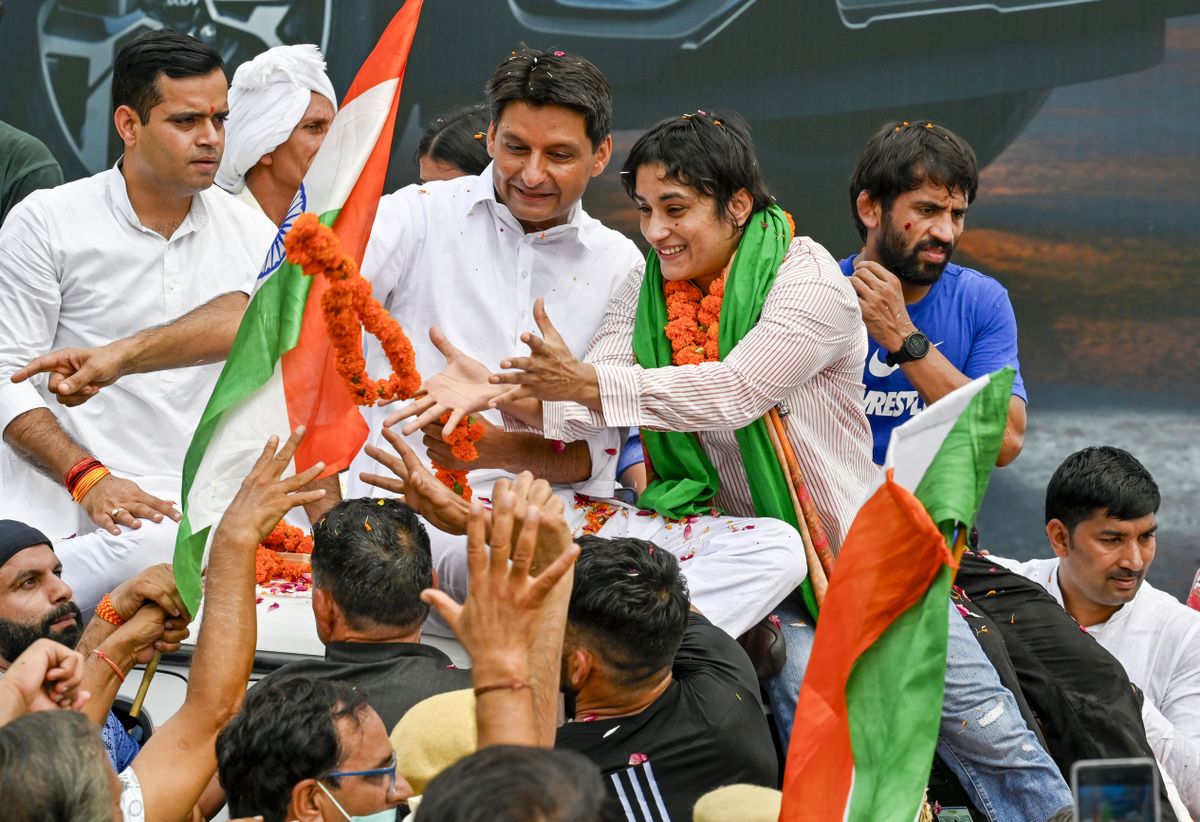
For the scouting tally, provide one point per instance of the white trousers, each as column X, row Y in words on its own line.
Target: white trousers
column 737, row 569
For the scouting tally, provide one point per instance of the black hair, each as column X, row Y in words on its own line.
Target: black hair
column 286, row 732
column 903, row 155
column 510, row 783
column 459, row 138
column 140, row 63
column 629, row 604
column 52, row 763
column 542, row 78
column 709, row 151
column 372, row 556
column 1100, row 478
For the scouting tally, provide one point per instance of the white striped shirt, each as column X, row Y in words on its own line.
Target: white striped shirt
column 805, row 354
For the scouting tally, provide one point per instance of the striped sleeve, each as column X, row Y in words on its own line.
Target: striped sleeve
column 806, row 320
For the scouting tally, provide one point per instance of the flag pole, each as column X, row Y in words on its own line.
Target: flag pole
column 806, row 508
column 817, row 576
column 147, row 677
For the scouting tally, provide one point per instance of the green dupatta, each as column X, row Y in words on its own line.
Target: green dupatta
column 685, row 480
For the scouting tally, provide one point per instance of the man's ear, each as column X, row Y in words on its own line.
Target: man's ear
column 305, row 805
column 491, row 139
column 581, row 664
column 326, row 612
column 1059, row 536
column 127, row 123
column 870, row 210
column 603, row 155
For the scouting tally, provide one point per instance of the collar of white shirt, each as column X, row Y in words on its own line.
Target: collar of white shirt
column 118, row 196
column 485, row 192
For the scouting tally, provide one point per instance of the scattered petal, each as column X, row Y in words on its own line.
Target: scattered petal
column 272, row 606
column 637, row 758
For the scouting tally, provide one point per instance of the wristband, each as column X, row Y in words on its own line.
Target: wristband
column 108, row 613
column 115, row 667
column 83, row 478
column 512, row 685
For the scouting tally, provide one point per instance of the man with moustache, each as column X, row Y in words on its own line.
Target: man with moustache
column 95, row 260
column 933, row 325
column 142, row 615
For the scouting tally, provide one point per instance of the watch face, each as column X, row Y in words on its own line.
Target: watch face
column 917, row 346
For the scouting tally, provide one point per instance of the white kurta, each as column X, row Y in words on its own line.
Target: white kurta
column 77, row 268
column 1157, row 640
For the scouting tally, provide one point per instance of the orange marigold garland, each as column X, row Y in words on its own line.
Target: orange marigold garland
column 349, row 309
column 693, row 320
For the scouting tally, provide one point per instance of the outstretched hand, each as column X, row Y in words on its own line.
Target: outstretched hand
column 76, row 374
column 117, row 501
column 416, row 486
column 461, row 388
column 550, row 372
column 499, row 621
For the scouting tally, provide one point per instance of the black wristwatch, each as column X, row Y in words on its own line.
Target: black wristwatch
column 914, row 347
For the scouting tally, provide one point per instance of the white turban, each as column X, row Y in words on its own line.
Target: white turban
column 267, row 99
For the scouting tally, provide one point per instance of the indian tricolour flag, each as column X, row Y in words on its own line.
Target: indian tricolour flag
column 280, row 373
column 868, row 714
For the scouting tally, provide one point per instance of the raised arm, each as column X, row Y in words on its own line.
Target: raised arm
column 178, row 761
column 203, row 335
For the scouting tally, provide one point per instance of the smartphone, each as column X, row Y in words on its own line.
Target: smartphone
column 1115, row 790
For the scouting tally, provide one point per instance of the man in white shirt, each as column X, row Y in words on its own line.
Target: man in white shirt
column 97, row 259
column 1100, row 520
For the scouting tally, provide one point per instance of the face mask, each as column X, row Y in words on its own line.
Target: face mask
column 386, row 815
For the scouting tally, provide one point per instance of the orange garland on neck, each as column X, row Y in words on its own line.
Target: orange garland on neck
column 349, row 308
column 693, row 320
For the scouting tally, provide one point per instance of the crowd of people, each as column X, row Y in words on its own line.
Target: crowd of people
column 633, row 586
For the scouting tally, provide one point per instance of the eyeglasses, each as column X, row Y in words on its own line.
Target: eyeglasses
column 388, row 770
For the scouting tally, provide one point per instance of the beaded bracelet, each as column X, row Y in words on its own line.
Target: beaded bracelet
column 108, row 613
column 115, row 667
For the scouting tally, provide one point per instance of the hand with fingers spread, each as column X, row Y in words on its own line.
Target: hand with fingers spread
column 550, row 372
column 47, row 676
column 417, row 487
column 498, row 624
column 116, row 501
column 882, row 302
column 461, row 388
column 264, row 497
column 554, row 536
column 76, row 374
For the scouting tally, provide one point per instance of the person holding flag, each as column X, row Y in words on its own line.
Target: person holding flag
column 783, row 327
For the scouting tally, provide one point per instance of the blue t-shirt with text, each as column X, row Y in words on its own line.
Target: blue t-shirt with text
column 968, row 316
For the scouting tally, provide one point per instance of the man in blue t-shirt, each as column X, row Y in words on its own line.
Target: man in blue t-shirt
column 932, row 325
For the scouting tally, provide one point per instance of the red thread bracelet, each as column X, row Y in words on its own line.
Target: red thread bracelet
column 115, row 667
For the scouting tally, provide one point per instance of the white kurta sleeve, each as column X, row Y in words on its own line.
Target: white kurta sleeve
column 29, row 302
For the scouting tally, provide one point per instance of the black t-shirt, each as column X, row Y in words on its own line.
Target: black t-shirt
column 706, row 730
column 394, row 675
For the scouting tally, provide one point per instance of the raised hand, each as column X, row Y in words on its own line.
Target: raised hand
column 881, row 299
column 461, row 388
column 499, row 621
column 76, row 374
column 47, row 675
column 417, row 487
column 117, row 501
column 550, row 372
column 264, row 498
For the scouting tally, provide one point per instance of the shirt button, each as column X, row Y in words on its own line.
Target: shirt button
column 171, row 285
column 524, row 275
